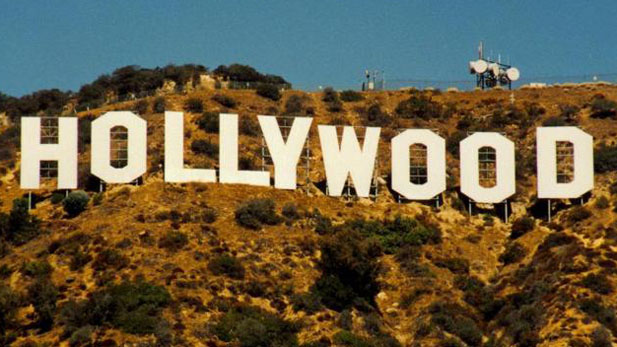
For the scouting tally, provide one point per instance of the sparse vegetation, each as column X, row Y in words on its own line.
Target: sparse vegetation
column 351, row 96
column 521, row 227
column 173, row 241
column 225, row 100
column 514, row 252
column 206, row 148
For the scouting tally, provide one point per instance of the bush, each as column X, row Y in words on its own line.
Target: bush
column 393, row 234
column 600, row 337
column 603, row 314
column 133, row 307
column 141, row 107
column 110, row 259
column 75, row 203
column 79, row 259
column 349, row 269
column 605, row 159
column 419, row 106
column 453, row 319
column 19, row 226
column 227, row 265
column 209, row 122
column 269, row 91
column 206, row 148
column 602, row 202
column 9, row 303
column 307, row 302
column 251, row 326
column 578, row 214
column 602, row 107
column 194, row 105
column 351, row 96
column 159, row 105
column 253, row 214
column 290, row 211
column 225, row 100
column 173, row 241
column 598, row 283
column 455, row 265
column 555, row 121
column 56, row 198
column 42, row 294
column 521, row 227
column 247, row 126
column 37, row 269
column 514, row 253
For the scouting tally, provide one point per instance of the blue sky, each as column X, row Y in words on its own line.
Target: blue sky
column 64, row 44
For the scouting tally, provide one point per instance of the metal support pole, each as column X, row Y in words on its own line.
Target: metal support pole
column 29, row 201
column 506, row 208
column 549, row 210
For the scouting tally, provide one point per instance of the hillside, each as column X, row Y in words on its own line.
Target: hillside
column 216, row 265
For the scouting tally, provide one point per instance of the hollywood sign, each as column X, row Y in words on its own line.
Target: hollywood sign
column 343, row 159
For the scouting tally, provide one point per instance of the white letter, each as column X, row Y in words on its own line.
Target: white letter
column 548, row 187
column 349, row 159
column 32, row 152
column 174, row 153
column 505, row 177
column 435, row 164
column 136, row 150
column 228, row 156
column 285, row 155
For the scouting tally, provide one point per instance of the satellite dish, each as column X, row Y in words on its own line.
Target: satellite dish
column 494, row 69
column 480, row 66
column 513, row 74
column 472, row 67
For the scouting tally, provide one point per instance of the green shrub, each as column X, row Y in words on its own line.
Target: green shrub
column 555, row 121
column 109, row 259
column 455, row 265
column 9, row 303
column 56, row 198
column 206, row 148
column 308, row 302
column 453, row 319
column 250, row 326
column 209, row 215
column 249, row 127
column 82, row 336
column 600, row 337
column 141, row 107
column 194, row 105
column 269, row 91
column 97, row 199
column 37, row 269
column 290, row 211
column 602, row 202
column 19, row 226
column 479, row 296
column 351, row 96
column 331, row 99
column 133, row 307
column 79, row 259
column 521, row 227
column 76, row 202
column 173, row 240
column 392, row 234
column 419, row 106
column 349, row 269
column 605, row 315
column 209, row 122
column 42, row 294
column 605, row 159
column 578, row 214
column 159, row 105
column 514, row 253
column 599, row 283
column 226, row 265
column 253, row 214
column 602, row 107
column 226, row 101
